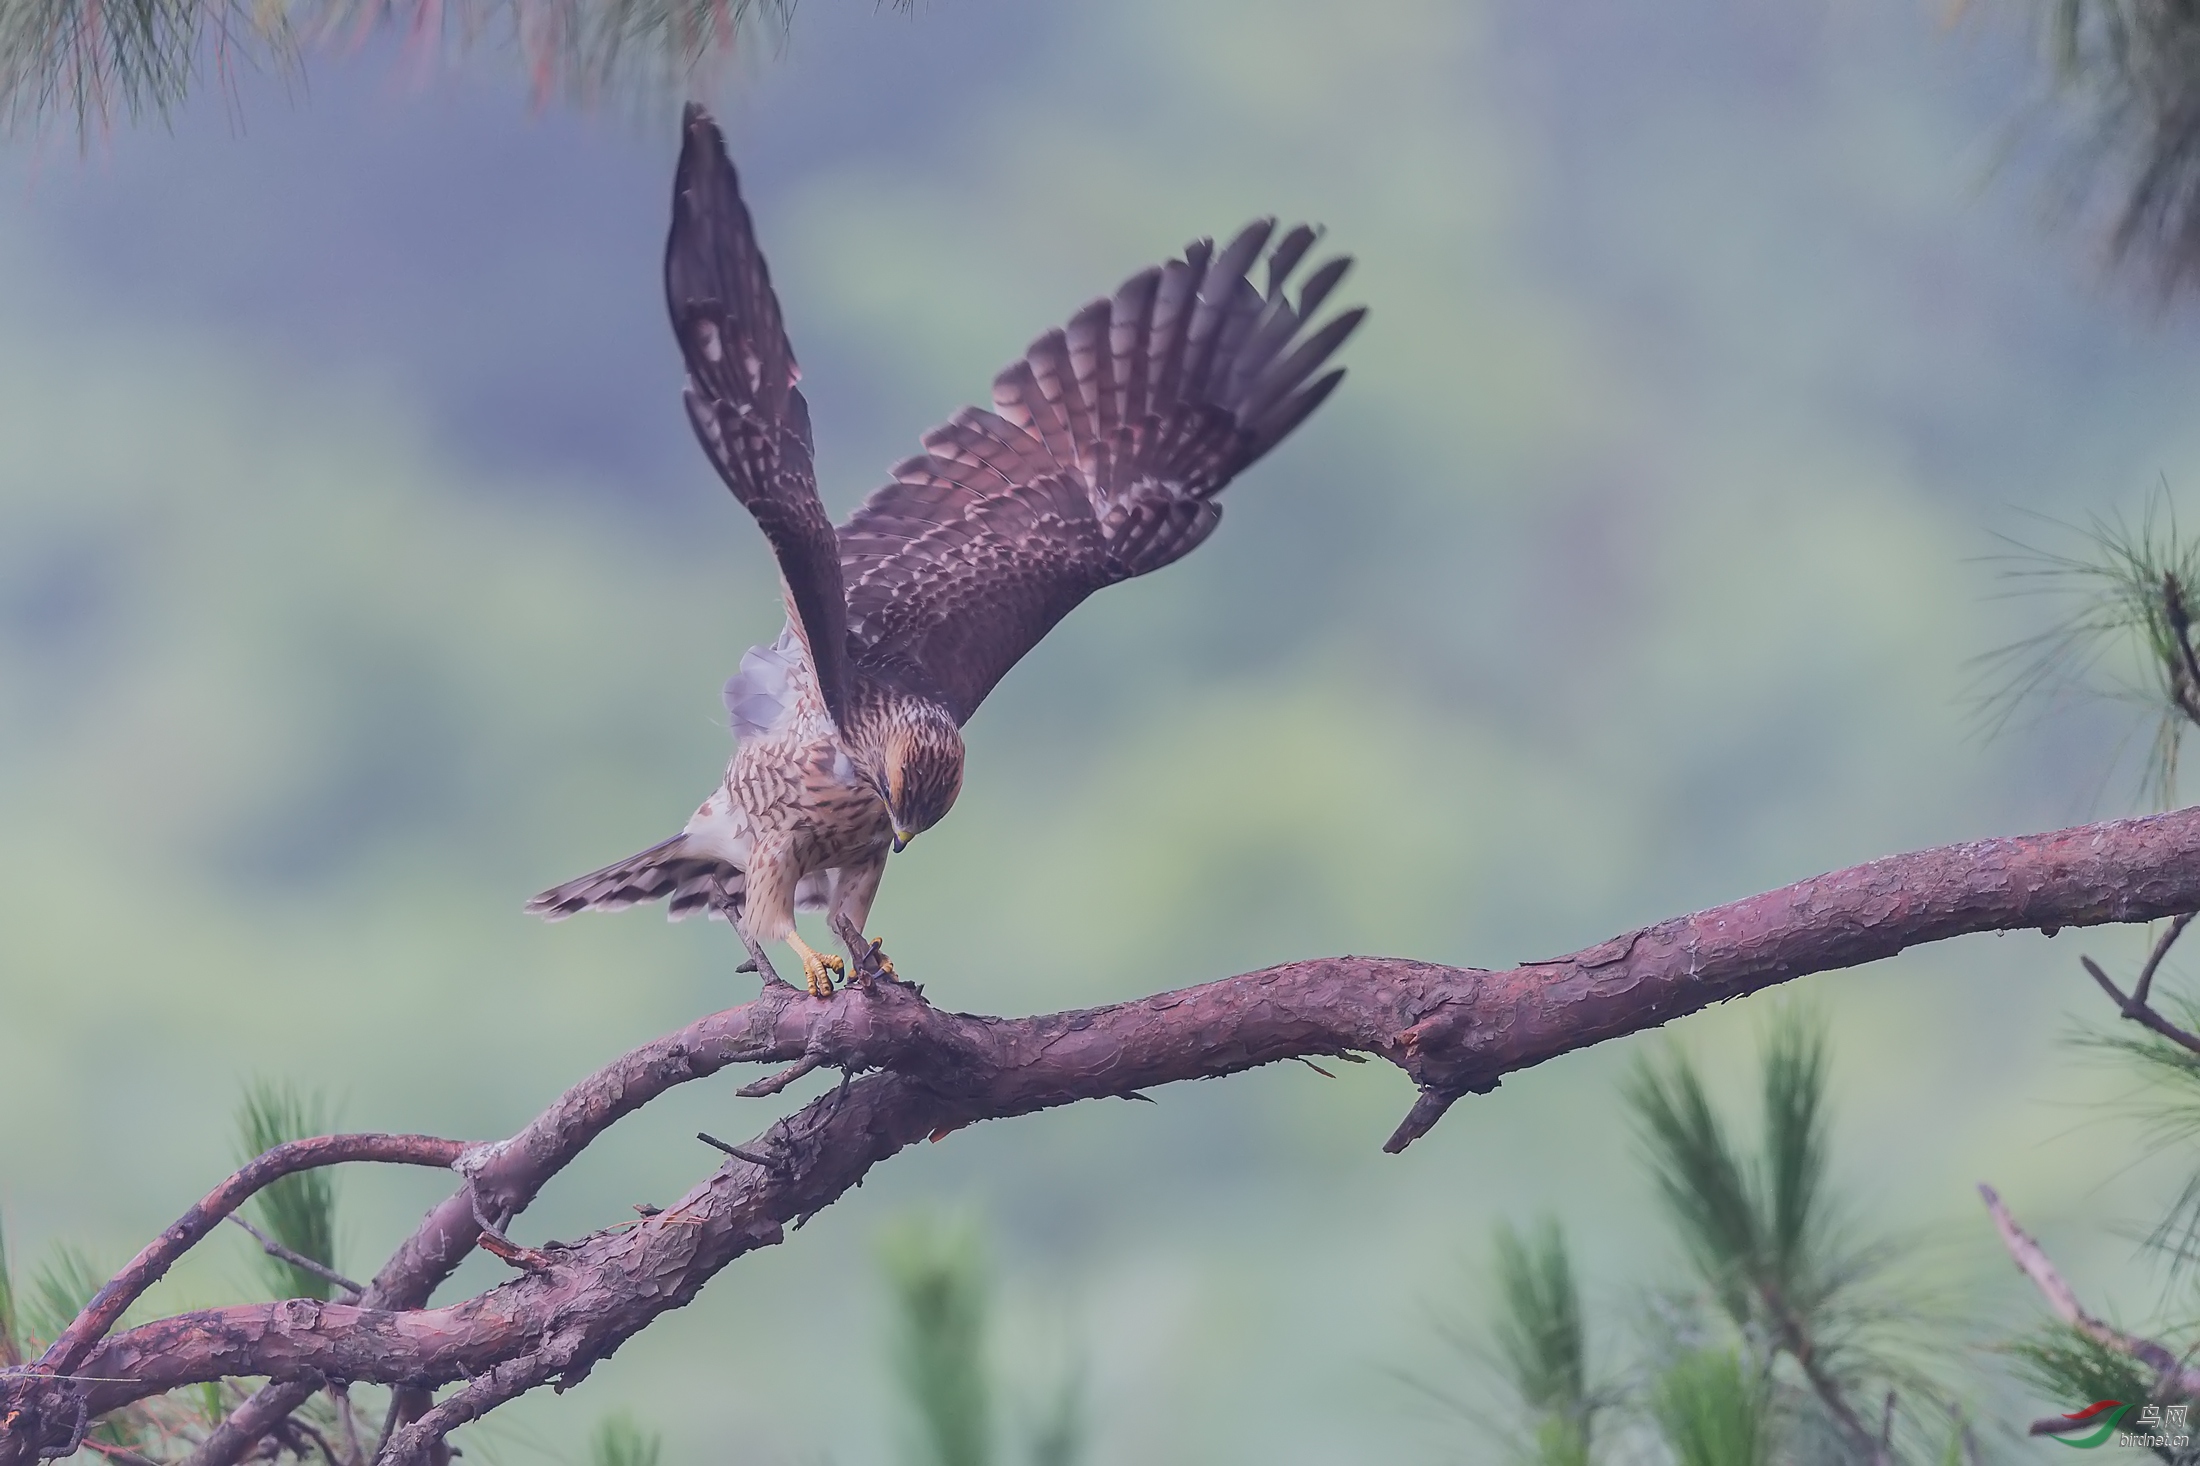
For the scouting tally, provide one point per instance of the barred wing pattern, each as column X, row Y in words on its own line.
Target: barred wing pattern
column 741, row 393
column 1100, row 460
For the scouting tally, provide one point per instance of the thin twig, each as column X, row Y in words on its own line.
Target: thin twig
column 2062, row 1301
column 2140, row 1013
column 757, row 959
column 349, row 1418
column 109, row 1303
column 2161, row 950
column 754, row 1158
column 777, row 1082
column 120, row 1455
column 1796, row 1339
column 307, row 1429
column 415, row 1444
column 267, row 1408
column 499, row 1246
column 298, row 1260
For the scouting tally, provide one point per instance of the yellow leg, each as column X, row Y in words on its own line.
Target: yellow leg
column 816, row 966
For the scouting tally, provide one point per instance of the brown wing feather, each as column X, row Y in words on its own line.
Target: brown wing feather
column 1100, row 460
column 741, row 393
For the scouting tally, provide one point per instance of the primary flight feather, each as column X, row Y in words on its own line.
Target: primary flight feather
column 1099, row 460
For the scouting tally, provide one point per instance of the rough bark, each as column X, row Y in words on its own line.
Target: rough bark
column 1454, row 1031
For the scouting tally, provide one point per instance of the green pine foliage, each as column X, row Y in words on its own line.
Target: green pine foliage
column 2134, row 66
column 1713, row 1409
column 1789, row 1339
column 621, row 1440
column 1769, row 1242
column 83, row 62
column 940, row 1351
column 299, row 1211
column 2064, row 1364
column 2123, row 629
column 2167, row 1101
column 58, row 1291
column 941, row 1300
column 1058, row 1437
column 1542, row 1343
column 32, row 1314
column 1701, row 1179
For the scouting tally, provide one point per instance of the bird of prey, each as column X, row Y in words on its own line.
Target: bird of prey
column 1100, row 460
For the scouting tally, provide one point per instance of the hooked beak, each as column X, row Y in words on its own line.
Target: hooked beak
column 901, row 840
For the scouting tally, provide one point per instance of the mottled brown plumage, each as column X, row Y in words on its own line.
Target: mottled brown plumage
column 1099, row 460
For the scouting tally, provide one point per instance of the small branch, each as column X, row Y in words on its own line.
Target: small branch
column 2062, row 1300
column 2185, row 682
column 758, row 962
column 407, row 1404
column 1428, row 1108
column 421, row 1442
column 725, row 1147
column 777, row 1082
column 497, row 1245
column 349, row 1419
column 299, row 1260
column 108, row 1305
column 2154, row 958
column 2138, row 1012
column 312, row 1433
column 268, row 1408
column 1796, row 1339
column 119, row 1455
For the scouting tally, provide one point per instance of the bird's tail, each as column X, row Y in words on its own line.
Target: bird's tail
column 694, row 884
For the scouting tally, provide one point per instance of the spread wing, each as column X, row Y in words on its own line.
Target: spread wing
column 741, row 393
column 1100, row 460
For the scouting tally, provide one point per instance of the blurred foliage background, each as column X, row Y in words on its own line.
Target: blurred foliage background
column 359, row 577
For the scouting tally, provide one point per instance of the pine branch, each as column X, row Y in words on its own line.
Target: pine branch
column 1453, row 1031
column 939, row 1354
column 2135, row 66
column 92, row 63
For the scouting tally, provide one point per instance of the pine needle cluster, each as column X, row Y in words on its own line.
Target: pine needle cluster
column 1791, row 1342
column 299, row 1211
column 2127, row 597
column 622, row 1440
column 88, row 64
column 2133, row 66
column 942, row 1356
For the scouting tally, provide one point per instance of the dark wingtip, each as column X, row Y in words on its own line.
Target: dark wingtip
column 702, row 144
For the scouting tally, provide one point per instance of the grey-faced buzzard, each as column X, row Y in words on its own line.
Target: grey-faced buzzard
column 1100, row 460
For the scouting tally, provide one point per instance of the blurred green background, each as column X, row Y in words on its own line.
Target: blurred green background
column 359, row 577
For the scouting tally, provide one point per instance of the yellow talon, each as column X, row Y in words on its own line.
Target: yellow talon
column 884, row 963
column 817, row 967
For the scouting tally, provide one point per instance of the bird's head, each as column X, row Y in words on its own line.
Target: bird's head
column 921, row 768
